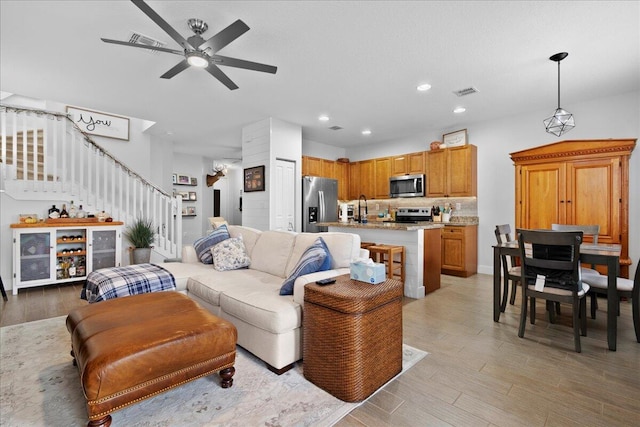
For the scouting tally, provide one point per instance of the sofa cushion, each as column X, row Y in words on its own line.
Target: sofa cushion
column 313, row 259
column 272, row 251
column 230, row 254
column 262, row 307
column 209, row 286
column 182, row 271
column 204, row 244
column 249, row 235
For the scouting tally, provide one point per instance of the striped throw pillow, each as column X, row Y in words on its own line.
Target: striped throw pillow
column 312, row 260
column 204, row 244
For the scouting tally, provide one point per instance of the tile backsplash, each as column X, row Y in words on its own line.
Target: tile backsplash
column 468, row 206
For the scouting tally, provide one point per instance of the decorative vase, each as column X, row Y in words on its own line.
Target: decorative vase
column 140, row 255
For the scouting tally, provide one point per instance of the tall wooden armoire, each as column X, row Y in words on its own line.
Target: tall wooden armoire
column 577, row 182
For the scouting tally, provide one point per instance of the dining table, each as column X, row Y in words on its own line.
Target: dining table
column 597, row 254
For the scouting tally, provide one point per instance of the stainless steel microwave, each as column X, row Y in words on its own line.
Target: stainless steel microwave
column 407, row 185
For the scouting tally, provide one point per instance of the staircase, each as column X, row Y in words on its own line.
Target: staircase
column 45, row 156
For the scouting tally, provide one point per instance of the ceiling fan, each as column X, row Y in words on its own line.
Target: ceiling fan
column 197, row 51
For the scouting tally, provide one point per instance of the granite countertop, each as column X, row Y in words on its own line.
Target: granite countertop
column 380, row 225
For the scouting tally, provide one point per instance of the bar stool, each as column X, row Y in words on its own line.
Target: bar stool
column 386, row 254
column 365, row 245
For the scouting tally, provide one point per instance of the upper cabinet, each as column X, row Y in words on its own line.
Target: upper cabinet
column 382, row 173
column 576, row 182
column 311, row 166
column 412, row 163
column 341, row 170
column 452, row 172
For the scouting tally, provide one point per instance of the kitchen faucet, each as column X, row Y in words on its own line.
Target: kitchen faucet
column 366, row 209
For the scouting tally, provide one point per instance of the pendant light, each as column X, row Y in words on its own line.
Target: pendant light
column 561, row 121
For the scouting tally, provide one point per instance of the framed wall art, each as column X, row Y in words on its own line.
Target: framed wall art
column 184, row 179
column 193, row 181
column 254, row 179
column 100, row 124
column 192, row 196
column 455, row 139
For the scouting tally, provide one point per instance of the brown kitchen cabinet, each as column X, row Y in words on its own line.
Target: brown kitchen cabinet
column 354, row 180
column 412, row 163
column 459, row 250
column 382, row 174
column 311, row 166
column 328, row 168
column 577, row 182
column 366, row 185
column 452, row 172
column 341, row 170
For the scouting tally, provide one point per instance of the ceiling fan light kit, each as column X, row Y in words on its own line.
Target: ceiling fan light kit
column 198, row 52
column 561, row 121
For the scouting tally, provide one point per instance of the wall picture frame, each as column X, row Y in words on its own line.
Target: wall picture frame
column 174, row 178
column 193, row 196
column 193, row 181
column 184, row 179
column 254, row 179
column 184, row 195
column 455, row 139
column 100, row 124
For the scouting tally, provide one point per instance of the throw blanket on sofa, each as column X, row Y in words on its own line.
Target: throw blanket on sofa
column 118, row 282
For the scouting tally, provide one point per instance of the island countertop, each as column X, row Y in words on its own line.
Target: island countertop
column 380, row 225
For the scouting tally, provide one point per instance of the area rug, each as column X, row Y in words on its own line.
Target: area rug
column 39, row 386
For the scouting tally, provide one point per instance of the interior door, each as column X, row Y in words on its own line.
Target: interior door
column 284, row 196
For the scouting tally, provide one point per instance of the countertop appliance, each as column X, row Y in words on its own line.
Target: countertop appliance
column 407, row 185
column 413, row 215
column 319, row 202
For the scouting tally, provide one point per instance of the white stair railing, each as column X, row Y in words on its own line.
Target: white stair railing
column 44, row 152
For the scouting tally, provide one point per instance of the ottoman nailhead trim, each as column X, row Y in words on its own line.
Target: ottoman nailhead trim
column 204, row 374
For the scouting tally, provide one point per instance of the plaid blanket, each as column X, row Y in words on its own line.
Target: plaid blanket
column 116, row 282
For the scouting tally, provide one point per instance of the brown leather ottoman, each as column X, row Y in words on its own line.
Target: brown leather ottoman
column 128, row 349
column 352, row 336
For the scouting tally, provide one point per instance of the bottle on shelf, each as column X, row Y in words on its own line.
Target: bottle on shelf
column 81, row 268
column 54, row 212
column 63, row 212
column 73, row 211
column 81, row 213
column 72, row 268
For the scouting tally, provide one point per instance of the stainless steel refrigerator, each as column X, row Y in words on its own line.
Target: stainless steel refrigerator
column 319, row 202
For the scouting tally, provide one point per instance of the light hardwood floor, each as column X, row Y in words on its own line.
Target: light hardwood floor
column 478, row 373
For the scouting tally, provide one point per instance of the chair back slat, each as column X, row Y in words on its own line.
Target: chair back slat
column 587, row 230
column 503, row 234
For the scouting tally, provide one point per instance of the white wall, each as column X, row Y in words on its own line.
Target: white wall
column 198, row 167
column 317, row 149
column 613, row 117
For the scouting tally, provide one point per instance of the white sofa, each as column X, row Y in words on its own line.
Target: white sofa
column 269, row 325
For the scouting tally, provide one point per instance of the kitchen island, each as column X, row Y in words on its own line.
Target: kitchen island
column 422, row 242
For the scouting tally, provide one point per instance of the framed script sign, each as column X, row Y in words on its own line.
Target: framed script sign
column 455, row 139
column 100, row 124
column 254, row 179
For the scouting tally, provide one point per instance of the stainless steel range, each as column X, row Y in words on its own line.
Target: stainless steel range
column 413, row 215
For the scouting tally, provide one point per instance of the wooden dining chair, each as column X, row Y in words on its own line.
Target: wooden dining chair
column 587, row 230
column 510, row 271
column 626, row 289
column 552, row 258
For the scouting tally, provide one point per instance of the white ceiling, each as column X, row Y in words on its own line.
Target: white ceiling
column 358, row 62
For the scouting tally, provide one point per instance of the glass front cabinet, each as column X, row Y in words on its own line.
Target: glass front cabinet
column 50, row 255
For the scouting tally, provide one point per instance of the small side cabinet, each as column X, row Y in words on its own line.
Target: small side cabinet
column 52, row 253
column 460, row 250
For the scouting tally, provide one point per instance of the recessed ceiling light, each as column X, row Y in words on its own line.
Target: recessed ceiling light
column 459, row 110
column 323, row 118
column 366, row 132
column 424, row 87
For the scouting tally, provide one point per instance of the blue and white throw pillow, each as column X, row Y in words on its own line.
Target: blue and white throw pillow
column 204, row 244
column 230, row 254
column 313, row 259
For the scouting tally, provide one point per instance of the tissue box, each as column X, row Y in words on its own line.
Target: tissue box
column 370, row 273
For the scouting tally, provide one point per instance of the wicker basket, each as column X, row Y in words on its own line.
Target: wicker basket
column 352, row 336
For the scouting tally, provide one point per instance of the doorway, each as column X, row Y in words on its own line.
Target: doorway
column 284, row 195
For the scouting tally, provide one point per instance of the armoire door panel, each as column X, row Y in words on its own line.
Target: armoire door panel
column 543, row 195
column 594, row 188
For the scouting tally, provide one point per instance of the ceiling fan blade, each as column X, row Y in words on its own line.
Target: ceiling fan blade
column 241, row 63
column 180, row 66
column 160, row 49
column 162, row 24
column 218, row 74
column 225, row 36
